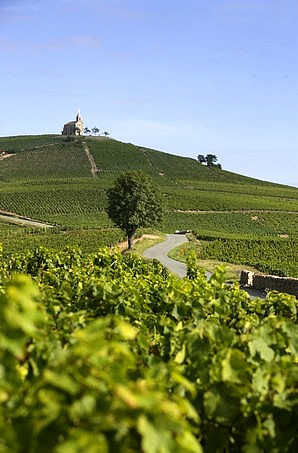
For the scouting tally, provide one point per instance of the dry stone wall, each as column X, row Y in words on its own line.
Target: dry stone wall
column 271, row 282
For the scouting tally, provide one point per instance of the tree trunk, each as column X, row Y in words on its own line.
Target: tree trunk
column 130, row 238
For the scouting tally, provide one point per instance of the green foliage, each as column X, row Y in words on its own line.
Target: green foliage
column 110, row 353
column 47, row 204
column 88, row 240
column 209, row 159
column 134, row 202
column 192, row 270
column 277, row 257
column 237, row 224
column 62, row 159
column 25, row 142
column 114, row 156
column 266, row 241
column 49, row 179
column 188, row 199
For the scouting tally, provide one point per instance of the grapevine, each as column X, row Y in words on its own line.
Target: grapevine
column 107, row 352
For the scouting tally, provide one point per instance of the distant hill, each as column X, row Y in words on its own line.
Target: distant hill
column 52, row 168
column 48, row 178
column 45, row 154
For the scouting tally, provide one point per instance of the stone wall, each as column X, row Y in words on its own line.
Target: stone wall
column 271, row 282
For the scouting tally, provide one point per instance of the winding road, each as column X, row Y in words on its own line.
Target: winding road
column 160, row 252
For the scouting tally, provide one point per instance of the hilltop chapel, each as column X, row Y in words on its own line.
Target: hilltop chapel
column 74, row 127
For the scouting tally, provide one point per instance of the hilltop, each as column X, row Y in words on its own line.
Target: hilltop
column 63, row 181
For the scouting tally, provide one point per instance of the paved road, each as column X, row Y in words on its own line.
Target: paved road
column 160, row 252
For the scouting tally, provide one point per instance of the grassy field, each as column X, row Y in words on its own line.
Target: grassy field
column 48, row 178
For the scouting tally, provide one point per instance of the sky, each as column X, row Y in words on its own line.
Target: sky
column 185, row 77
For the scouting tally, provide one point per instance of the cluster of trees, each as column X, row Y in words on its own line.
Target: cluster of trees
column 209, row 160
column 95, row 131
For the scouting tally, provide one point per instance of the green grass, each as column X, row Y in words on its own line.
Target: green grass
column 146, row 242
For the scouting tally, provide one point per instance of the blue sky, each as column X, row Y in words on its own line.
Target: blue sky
column 186, row 77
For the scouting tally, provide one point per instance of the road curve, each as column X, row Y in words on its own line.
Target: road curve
column 160, row 252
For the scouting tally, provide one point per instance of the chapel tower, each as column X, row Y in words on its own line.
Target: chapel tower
column 74, row 127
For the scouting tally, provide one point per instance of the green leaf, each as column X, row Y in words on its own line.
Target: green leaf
column 260, row 381
column 180, row 356
column 234, row 366
column 153, row 440
column 61, row 381
column 220, row 405
column 126, row 330
column 188, row 443
column 260, row 346
column 211, row 402
column 83, row 441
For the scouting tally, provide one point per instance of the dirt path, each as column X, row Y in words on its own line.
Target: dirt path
column 94, row 168
column 123, row 245
column 5, row 156
column 15, row 219
column 239, row 211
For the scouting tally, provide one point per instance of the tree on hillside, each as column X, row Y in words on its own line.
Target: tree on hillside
column 95, row 130
column 87, row 130
column 201, row 159
column 209, row 160
column 134, row 202
column 106, row 134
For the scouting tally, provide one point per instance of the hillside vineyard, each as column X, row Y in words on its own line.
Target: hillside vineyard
column 62, row 181
column 103, row 351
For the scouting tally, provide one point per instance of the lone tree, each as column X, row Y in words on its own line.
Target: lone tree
column 134, row 202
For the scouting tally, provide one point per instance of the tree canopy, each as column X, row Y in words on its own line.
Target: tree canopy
column 134, row 202
column 209, row 160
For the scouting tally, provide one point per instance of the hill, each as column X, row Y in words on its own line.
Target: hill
column 49, row 178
